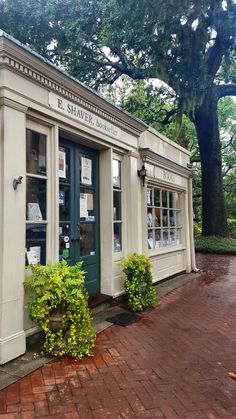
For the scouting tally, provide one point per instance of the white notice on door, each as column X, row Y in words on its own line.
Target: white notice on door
column 83, row 205
column 86, row 171
column 62, row 164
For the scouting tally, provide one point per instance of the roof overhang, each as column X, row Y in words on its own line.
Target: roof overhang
column 20, row 58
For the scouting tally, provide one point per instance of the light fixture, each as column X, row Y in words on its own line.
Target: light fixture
column 17, row 182
column 142, row 173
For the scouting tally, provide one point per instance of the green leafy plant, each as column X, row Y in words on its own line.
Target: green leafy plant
column 232, row 227
column 197, row 228
column 59, row 305
column 138, row 282
column 212, row 244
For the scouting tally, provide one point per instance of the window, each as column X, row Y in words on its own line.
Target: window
column 163, row 218
column 36, row 192
column 117, row 206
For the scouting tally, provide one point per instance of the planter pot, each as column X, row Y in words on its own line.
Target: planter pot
column 56, row 320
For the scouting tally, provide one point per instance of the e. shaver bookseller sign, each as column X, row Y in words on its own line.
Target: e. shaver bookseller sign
column 78, row 113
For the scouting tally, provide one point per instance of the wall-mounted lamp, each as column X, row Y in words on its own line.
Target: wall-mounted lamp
column 142, row 173
column 17, row 182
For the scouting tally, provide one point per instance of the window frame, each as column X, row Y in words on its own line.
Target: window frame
column 120, row 189
column 46, row 131
column 178, row 211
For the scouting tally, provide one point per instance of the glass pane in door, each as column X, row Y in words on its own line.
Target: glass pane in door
column 87, row 239
column 64, row 202
column 87, row 212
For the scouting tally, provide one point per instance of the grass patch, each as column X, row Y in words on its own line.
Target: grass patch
column 213, row 244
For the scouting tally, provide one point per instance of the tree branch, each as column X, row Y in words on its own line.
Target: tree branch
column 229, row 186
column 166, row 120
column 224, row 38
column 223, row 90
column 195, row 160
column 226, row 171
column 214, row 58
column 229, row 143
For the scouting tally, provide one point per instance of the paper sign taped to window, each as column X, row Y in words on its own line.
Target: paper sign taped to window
column 86, row 171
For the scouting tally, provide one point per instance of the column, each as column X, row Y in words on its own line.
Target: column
column 106, row 222
column 134, row 195
column 12, row 229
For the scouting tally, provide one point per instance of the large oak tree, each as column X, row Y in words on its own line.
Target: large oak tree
column 187, row 44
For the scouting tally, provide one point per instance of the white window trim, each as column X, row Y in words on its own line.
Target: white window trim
column 117, row 256
column 45, row 130
column 168, row 248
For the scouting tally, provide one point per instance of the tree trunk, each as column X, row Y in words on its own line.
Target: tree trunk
column 214, row 222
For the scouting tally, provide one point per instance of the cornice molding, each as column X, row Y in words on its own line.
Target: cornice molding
column 173, row 186
column 4, row 101
column 151, row 157
column 33, row 67
column 133, row 154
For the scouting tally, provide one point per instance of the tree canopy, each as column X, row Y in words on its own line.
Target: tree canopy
column 190, row 45
column 153, row 105
column 181, row 42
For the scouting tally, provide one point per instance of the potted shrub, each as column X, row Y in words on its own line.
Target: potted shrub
column 138, row 282
column 59, row 305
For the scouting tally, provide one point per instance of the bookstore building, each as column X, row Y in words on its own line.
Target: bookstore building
column 81, row 180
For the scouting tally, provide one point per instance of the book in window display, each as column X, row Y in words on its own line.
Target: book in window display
column 34, row 212
column 149, row 196
column 116, row 173
column 31, row 258
column 150, row 240
column 149, row 219
column 157, row 238
column 33, row 255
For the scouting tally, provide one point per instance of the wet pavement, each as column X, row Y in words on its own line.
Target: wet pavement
column 173, row 363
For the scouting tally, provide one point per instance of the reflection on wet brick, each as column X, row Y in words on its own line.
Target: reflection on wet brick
column 174, row 363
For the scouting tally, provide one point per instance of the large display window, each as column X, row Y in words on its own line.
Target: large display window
column 163, row 218
column 117, row 206
column 36, row 197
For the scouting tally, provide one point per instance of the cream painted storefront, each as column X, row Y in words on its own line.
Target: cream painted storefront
column 70, row 188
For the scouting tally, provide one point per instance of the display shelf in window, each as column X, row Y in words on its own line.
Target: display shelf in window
column 35, row 244
column 163, row 218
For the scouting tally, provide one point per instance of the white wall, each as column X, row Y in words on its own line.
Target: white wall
column 12, row 336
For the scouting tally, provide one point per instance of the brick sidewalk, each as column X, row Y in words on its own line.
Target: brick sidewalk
column 173, row 363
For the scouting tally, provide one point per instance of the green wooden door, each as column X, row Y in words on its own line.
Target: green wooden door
column 78, row 209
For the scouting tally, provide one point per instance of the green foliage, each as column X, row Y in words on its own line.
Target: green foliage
column 97, row 41
column 153, row 105
column 58, row 294
column 232, row 227
column 227, row 117
column 138, row 282
column 28, row 21
column 197, row 228
column 178, row 42
column 215, row 245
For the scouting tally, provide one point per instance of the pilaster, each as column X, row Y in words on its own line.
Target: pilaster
column 12, row 230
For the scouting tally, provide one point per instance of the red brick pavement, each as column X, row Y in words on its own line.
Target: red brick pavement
column 173, row 363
